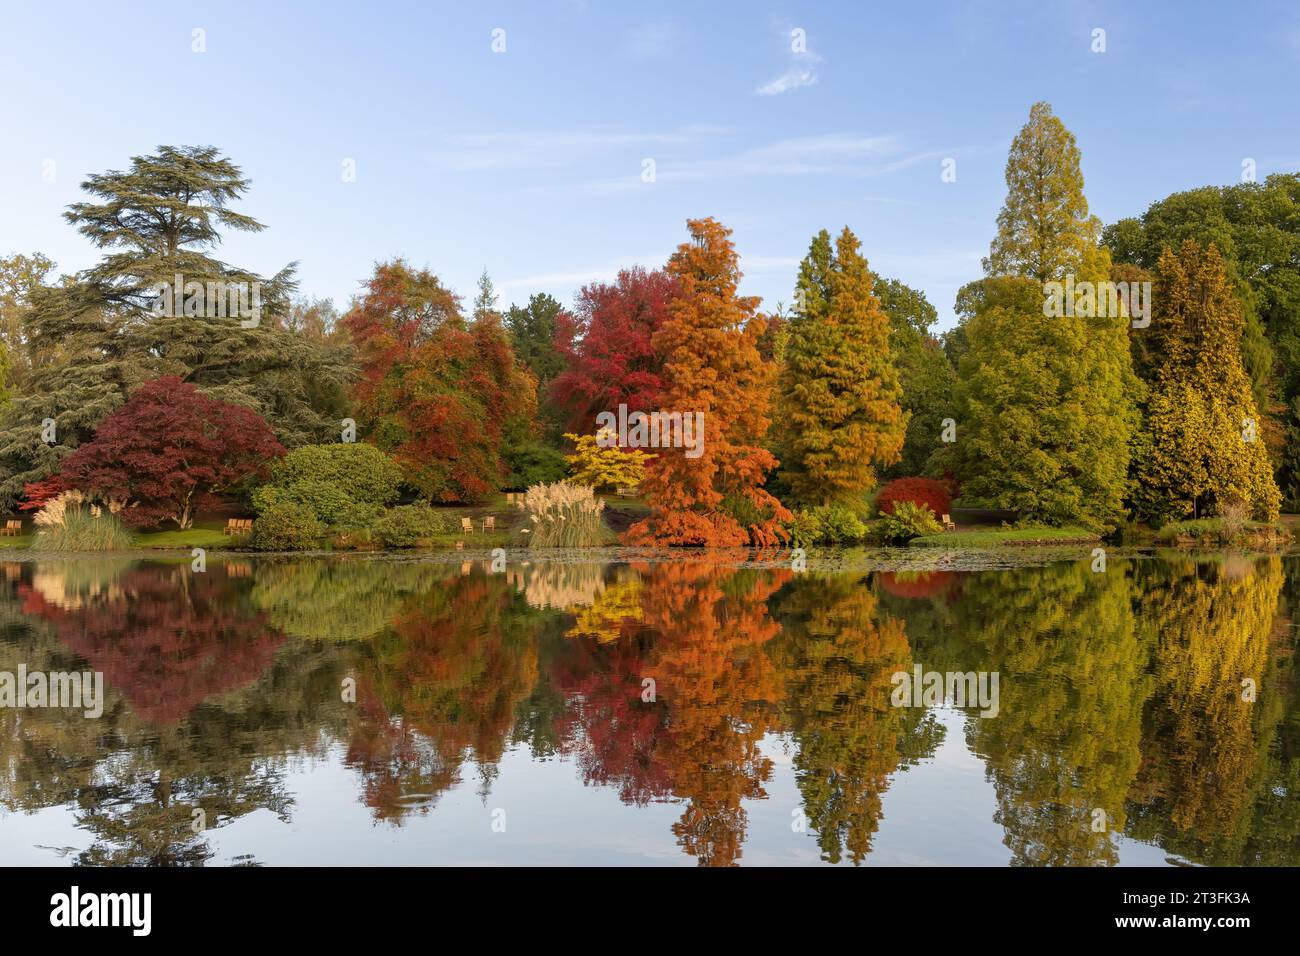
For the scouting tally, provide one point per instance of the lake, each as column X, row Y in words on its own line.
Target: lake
column 689, row 710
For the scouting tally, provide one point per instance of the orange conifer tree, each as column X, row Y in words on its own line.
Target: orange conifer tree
column 712, row 365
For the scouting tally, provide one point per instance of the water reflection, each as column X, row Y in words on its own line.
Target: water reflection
column 1125, row 721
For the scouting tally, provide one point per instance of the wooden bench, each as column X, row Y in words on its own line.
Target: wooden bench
column 949, row 524
column 625, row 492
column 12, row 529
column 238, row 526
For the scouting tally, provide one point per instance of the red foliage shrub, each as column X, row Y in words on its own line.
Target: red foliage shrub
column 926, row 491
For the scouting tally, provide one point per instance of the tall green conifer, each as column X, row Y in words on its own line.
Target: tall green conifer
column 839, row 389
column 1046, row 404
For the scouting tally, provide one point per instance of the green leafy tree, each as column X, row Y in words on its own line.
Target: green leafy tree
column 21, row 277
column 837, row 653
column 925, row 373
column 1074, row 674
column 532, row 330
column 838, row 388
column 532, row 335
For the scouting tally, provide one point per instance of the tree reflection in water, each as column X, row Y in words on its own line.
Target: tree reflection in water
column 1121, row 695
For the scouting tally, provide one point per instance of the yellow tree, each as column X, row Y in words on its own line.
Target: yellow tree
column 598, row 462
column 1205, row 446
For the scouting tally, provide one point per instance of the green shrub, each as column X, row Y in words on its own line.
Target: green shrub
column 345, row 484
column 909, row 520
column 805, row 529
column 409, row 525
column 357, row 516
column 828, row 524
column 287, row 526
column 840, row 525
column 534, row 464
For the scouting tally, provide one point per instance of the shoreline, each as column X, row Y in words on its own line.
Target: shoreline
column 821, row 560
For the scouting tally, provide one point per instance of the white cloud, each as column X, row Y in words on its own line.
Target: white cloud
column 802, row 70
column 791, row 79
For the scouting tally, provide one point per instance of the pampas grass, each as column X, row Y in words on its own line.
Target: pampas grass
column 562, row 515
column 72, row 522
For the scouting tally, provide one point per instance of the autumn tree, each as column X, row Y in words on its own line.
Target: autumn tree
column 168, row 451
column 599, row 462
column 607, row 347
column 1205, row 447
column 446, row 681
column 839, row 389
column 1209, row 624
column 1046, row 404
column 721, row 691
column 436, row 392
column 712, row 366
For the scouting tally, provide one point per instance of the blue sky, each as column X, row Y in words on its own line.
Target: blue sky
column 529, row 161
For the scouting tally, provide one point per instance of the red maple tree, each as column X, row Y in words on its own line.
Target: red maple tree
column 167, row 452
column 607, row 346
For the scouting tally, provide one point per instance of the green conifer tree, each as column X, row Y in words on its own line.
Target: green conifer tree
column 1047, row 412
column 839, row 389
column 1206, row 448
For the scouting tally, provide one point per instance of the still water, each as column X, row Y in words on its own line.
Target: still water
column 690, row 712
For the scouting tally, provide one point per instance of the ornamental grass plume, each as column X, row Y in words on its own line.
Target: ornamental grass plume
column 71, row 521
column 565, row 515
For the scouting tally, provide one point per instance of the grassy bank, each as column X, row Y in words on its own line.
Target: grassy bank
column 1216, row 532
column 1003, row 537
